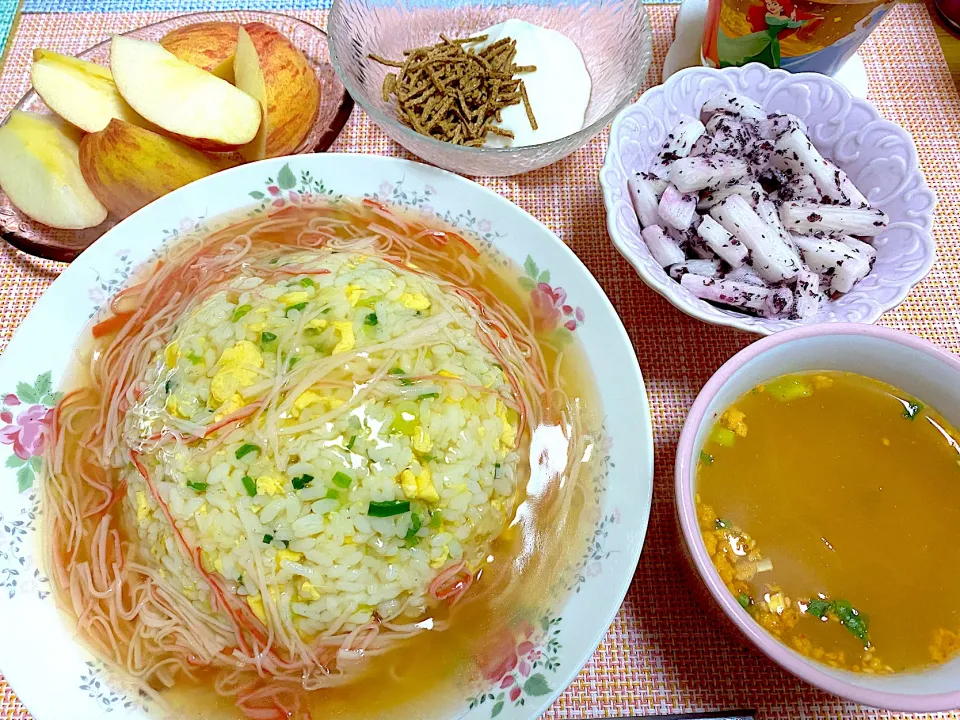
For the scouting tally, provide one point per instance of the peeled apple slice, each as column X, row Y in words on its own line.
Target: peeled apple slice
column 194, row 105
column 82, row 93
column 40, row 172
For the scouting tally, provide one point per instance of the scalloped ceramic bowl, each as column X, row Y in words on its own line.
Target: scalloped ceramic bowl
column 878, row 155
column 922, row 370
column 614, row 37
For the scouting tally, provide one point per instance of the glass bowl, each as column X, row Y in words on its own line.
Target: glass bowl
column 335, row 105
column 614, row 37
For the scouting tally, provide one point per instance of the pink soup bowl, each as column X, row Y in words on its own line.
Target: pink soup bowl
column 918, row 367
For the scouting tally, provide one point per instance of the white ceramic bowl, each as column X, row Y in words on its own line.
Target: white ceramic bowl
column 878, row 155
column 57, row 679
column 919, row 368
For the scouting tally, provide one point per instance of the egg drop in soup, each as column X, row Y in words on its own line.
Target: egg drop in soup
column 829, row 503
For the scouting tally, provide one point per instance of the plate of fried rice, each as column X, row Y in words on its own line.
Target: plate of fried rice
column 328, row 436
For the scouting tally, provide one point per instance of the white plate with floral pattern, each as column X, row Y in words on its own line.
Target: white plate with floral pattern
column 56, row 678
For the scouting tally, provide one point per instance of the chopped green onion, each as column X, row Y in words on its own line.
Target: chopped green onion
column 286, row 543
column 723, row 437
column 744, row 600
column 246, row 450
column 194, row 358
column 240, row 579
column 706, row 458
column 722, row 524
column 431, row 458
column 299, row 483
column 332, row 495
column 788, row 388
column 308, row 282
column 371, row 320
column 436, row 518
column 274, row 261
column 292, row 361
column 342, row 480
column 250, row 485
column 267, row 539
column 407, row 418
column 166, row 387
column 388, row 508
column 398, row 371
column 411, row 539
column 199, row 487
column 351, row 441
column 241, row 311
column 267, row 337
column 424, row 396
column 911, row 409
column 298, row 306
column 497, row 472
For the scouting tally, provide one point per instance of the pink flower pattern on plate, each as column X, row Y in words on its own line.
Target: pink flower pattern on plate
column 514, row 664
column 27, row 434
column 551, row 310
column 26, row 416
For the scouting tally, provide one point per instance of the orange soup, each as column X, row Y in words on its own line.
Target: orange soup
column 829, row 503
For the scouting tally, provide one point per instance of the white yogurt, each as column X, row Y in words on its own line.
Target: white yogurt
column 559, row 89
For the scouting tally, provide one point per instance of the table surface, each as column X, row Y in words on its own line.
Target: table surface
column 949, row 40
column 660, row 655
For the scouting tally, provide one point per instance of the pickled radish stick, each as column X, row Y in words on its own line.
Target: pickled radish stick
column 663, row 248
column 677, row 209
column 727, row 248
column 806, row 218
column 772, row 258
column 769, row 302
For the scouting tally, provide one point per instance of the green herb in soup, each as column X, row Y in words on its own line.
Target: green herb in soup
column 829, row 504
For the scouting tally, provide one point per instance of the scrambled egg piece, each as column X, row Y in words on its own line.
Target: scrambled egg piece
column 143, row 509
column 439, row 561
column 447, row 373
column 347, row 339
column 287, row 556
column 172, row 406
column 256, row 605
column 270, row 485
column 294, row 297
column 354, row 294
column 422, row 442
column 822, row 381
column 419, row 487
column 171, row 354
column 309, row 397
column 733, row 420
column 415, row 301
column 257, row 320
column 235, row 370
column 305, row 400
column 317, row 324
column 426, row 490
column 408, row 483
column 508, row 436
column 308, row 591
column 218, row 565
column 234, row 403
